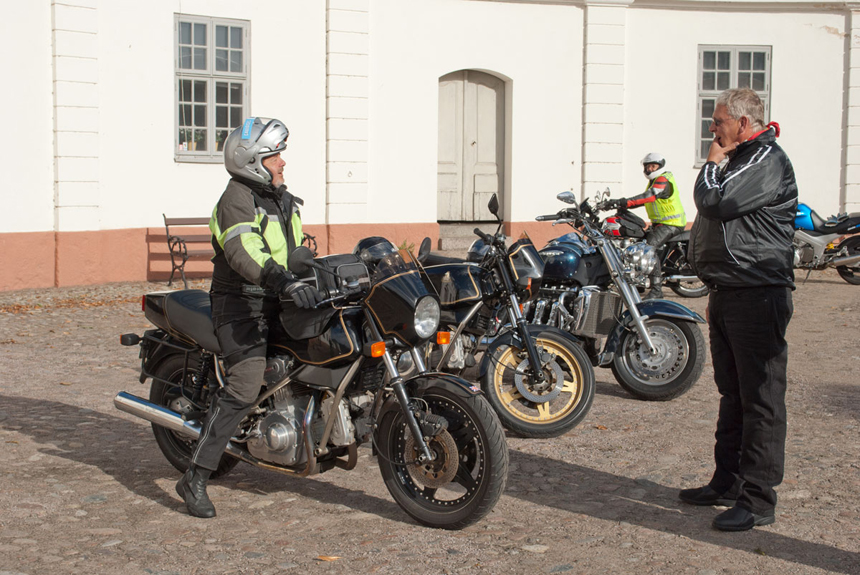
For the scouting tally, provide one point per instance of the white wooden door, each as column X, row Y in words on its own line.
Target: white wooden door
column 471, row 145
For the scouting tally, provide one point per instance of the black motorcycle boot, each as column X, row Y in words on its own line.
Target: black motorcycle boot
column 656, row 291
column 192, row 488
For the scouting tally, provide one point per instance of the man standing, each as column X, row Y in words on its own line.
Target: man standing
column 741, row 247
column 663, row 205
column 255, row 226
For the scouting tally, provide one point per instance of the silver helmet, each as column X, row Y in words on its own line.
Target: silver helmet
column 247, row 146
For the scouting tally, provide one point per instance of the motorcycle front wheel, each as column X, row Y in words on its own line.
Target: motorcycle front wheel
column 540, row 409
column 467, row 477
column 669, row 373
column 177, row 448
column 851, row 274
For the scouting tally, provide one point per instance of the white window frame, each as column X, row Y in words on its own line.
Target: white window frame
column 186, row 131
column 707, row 95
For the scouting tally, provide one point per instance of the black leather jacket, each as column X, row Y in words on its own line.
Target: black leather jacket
column 745, row 223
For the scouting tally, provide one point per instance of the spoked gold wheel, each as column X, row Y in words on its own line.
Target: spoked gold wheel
column 540, row 408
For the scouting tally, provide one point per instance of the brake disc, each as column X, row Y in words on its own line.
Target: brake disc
column 553, row 383
column 440, row 471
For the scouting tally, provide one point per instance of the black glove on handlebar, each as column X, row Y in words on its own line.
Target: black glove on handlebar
column 303, row 295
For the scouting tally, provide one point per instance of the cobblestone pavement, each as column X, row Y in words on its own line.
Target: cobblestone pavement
column 85, row 489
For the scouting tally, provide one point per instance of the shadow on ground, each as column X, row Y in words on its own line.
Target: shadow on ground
column 585, row 491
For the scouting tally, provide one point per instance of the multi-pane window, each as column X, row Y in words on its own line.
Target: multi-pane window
column 212, row 56
column 725, row 67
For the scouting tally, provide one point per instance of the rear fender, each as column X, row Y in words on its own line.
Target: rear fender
column 650, row 308
column 512, row 337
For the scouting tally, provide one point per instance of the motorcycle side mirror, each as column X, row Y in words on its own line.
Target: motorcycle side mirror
column 424, row 249
column 493, row 205
column 301, row 260
column 567, row 197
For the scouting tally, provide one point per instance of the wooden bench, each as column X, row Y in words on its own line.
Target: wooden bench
column 178, row 244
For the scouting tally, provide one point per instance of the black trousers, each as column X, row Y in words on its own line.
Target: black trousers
column 243, row 324
column 750, row 355
column 657, row 236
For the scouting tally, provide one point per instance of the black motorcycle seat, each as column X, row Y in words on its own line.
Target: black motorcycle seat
column 190, row 313
column 436, row 259
column 821, row 225
column 682, row 237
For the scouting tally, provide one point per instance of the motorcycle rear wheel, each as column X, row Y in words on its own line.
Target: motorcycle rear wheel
column 178, row 448
column 474, row 442
column 529, row 418
column 689, row 289
column 672, row 372
column 851, row 274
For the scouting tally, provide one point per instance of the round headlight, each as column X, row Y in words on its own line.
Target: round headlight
column 426, row 317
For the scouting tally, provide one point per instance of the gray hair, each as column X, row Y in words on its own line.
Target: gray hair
column 740, row 102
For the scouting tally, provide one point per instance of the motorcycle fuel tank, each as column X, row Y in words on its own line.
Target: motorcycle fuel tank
column 568, row 258
column 803, row 218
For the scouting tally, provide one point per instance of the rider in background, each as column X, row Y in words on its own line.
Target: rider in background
column 663, row 204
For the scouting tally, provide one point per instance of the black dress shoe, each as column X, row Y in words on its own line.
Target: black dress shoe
column 706, row 496
column 740, row 519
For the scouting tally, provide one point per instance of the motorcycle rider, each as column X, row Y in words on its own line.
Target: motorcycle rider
column 255, row 226
column 663, row 204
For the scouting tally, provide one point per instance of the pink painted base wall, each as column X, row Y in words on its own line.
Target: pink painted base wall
column 59, row 259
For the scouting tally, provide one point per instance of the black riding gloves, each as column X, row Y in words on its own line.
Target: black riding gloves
column 303, row 295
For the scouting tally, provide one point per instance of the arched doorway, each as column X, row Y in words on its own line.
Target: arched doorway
column 471, row 161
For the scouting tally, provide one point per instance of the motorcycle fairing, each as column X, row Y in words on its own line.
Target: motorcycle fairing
column 458, row 284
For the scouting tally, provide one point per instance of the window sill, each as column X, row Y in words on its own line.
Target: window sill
column 188, row 159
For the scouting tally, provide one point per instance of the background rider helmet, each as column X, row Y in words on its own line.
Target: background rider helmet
column 653, row 165
column 248, row 145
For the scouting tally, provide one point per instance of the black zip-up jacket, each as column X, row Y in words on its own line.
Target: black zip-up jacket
column 745, row 223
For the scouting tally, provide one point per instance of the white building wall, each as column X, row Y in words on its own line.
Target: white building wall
column 536, row 48
column 27, row 189
column 808, row 59
column 139, row 179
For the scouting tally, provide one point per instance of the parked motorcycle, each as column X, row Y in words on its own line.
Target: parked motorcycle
column 537, row 378
column 814, row 247
column 654, row 347
column 625, row 228
column 331, row 384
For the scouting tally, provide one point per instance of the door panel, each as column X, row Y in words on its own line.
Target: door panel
column 471, row 145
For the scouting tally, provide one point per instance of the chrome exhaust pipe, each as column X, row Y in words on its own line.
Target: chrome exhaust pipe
column 681, row 278
column 156, row 414
column 849, row 261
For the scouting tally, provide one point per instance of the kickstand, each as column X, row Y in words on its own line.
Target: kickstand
column 807, row 275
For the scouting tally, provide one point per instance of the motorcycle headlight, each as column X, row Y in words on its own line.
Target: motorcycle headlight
column 426, row 317
column 640, row 259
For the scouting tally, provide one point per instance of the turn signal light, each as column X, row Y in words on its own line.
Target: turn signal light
column 143, row 303
column 377, row 349
column 443, row 337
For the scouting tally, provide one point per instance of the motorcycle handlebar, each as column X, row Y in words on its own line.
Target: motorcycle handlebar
column 487, row 238
column 548, row 218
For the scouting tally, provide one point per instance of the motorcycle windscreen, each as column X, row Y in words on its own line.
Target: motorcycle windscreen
column 398, row 284
column 526, row 264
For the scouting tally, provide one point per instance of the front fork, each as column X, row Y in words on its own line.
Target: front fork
column 528, row 342
column 424, row 453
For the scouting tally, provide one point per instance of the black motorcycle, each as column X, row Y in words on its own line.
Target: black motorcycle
column 654, row 347
column 537, row 378
column 625, row 228
column 331, row 384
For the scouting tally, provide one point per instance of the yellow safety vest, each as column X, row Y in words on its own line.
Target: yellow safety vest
column 670, row 211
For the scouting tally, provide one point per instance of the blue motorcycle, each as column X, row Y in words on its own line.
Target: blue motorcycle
column 655, row 348
column 815, row 247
